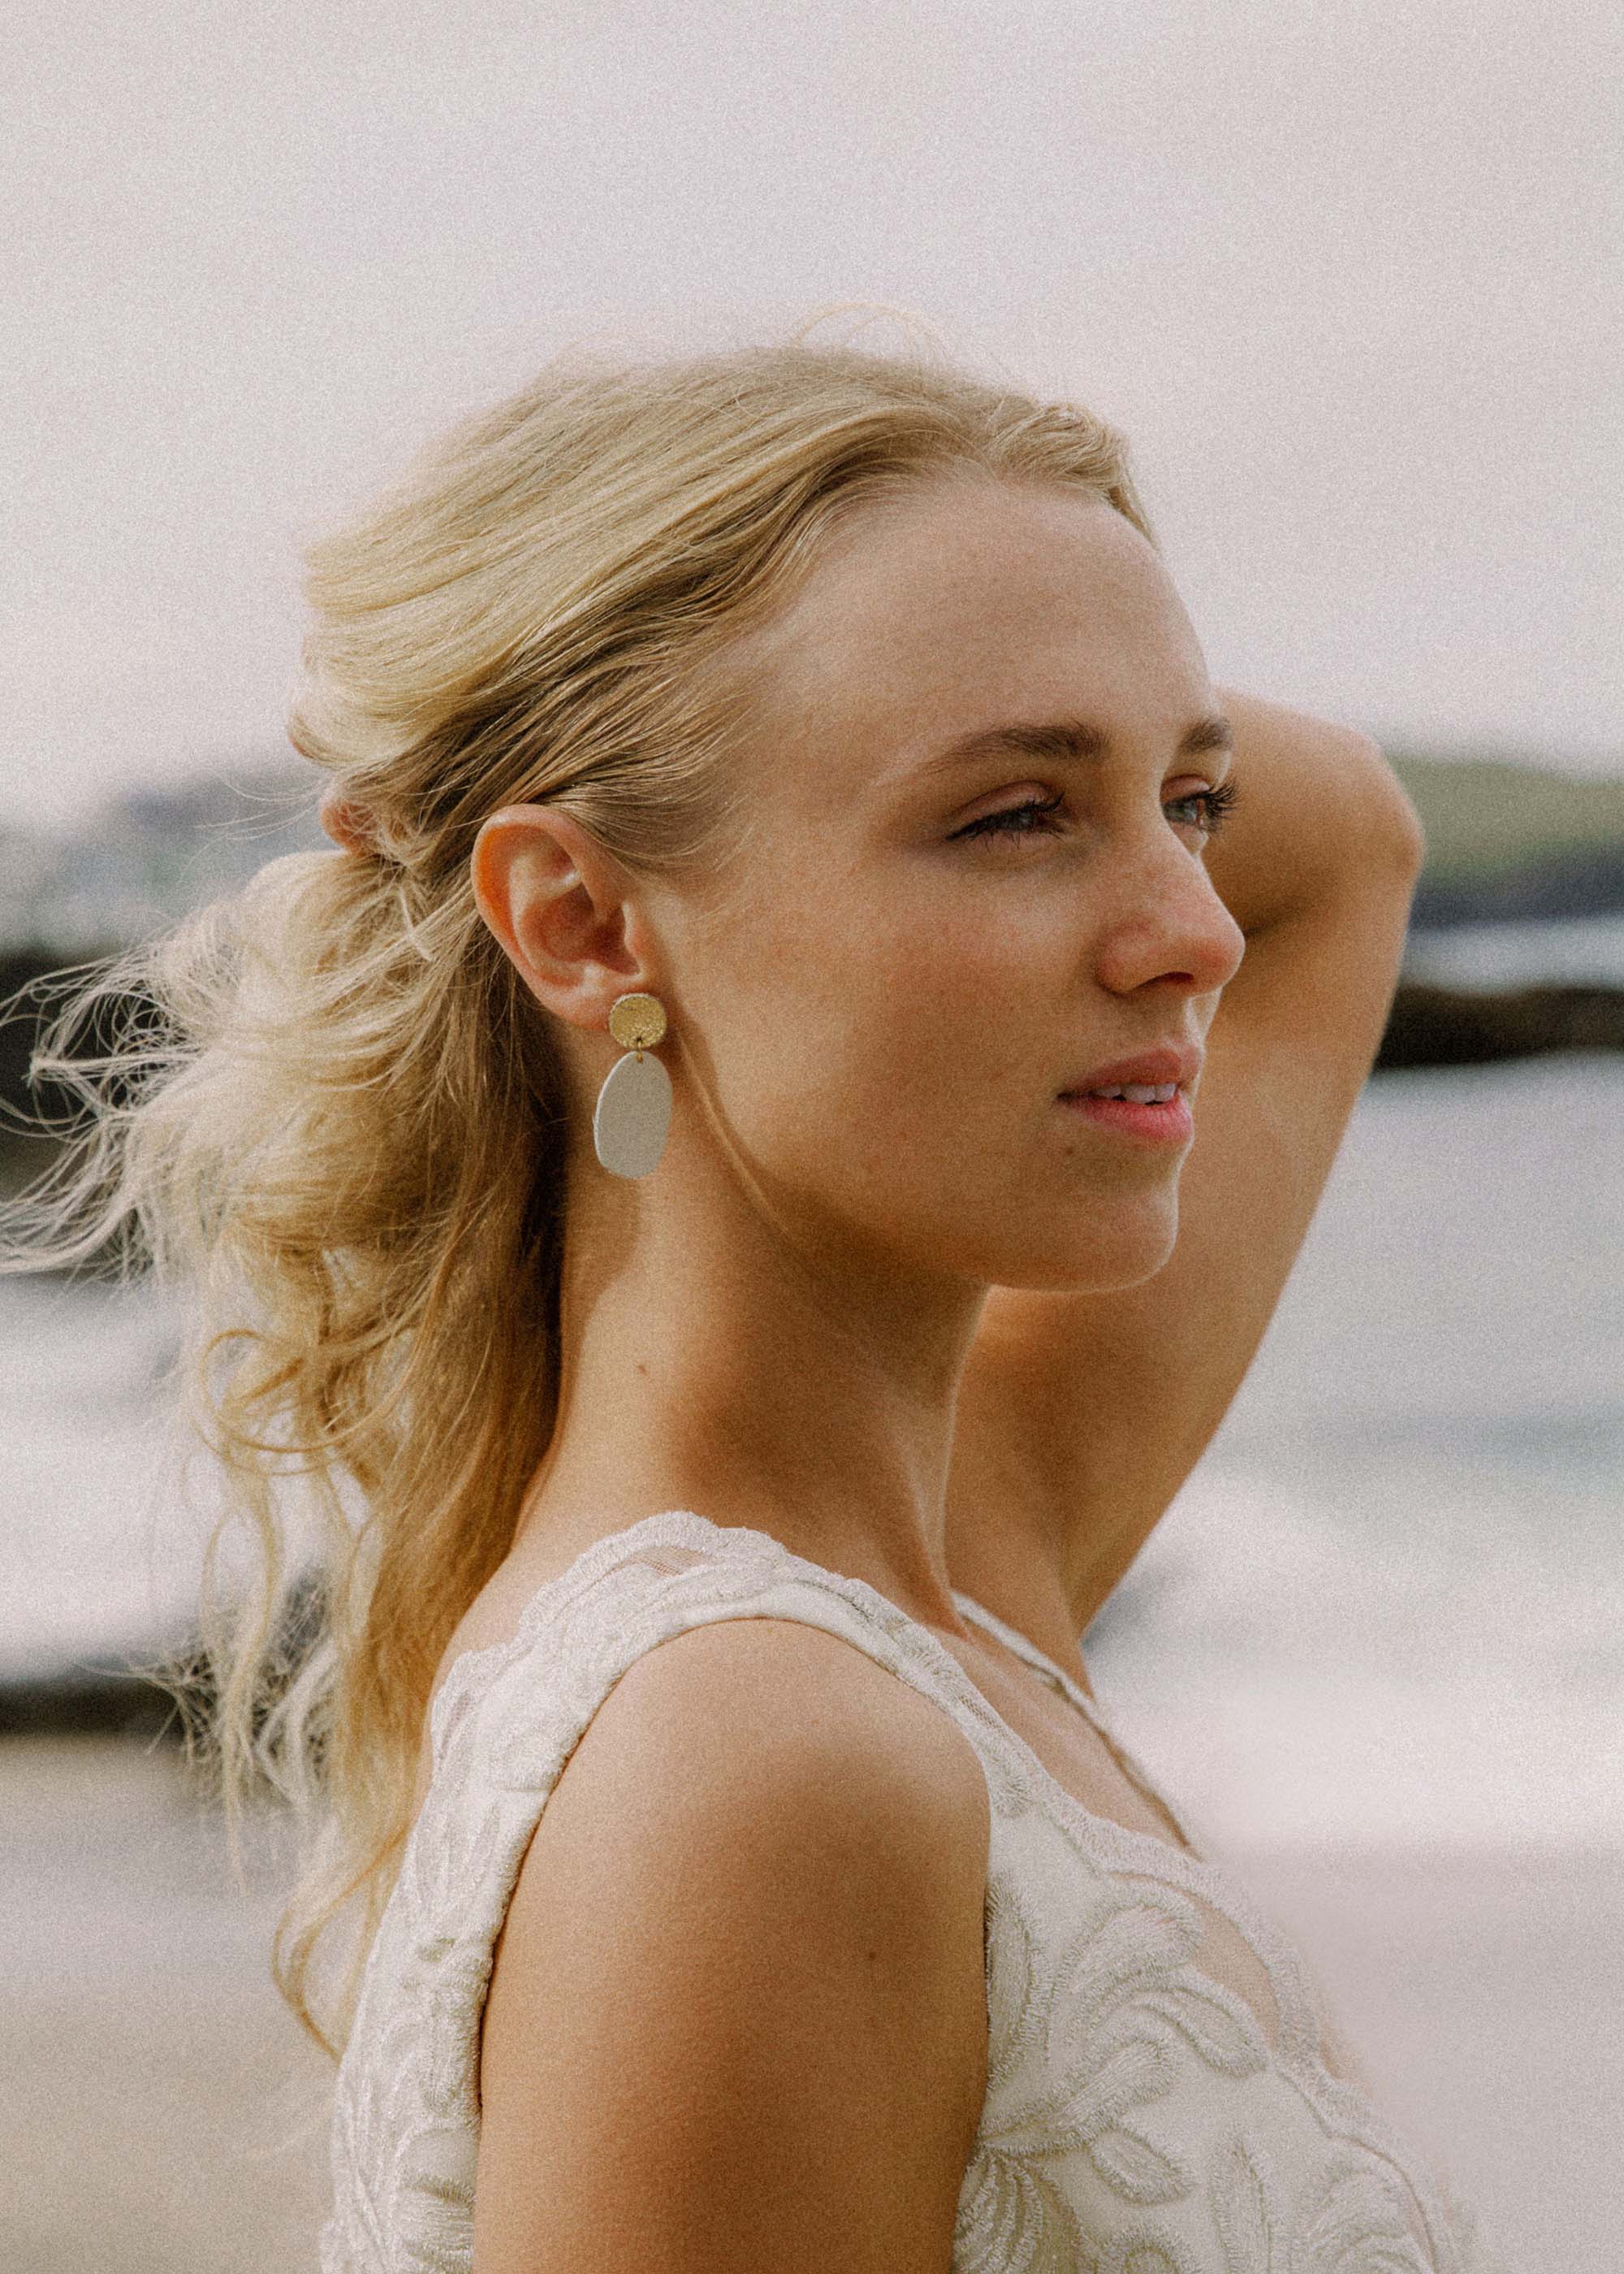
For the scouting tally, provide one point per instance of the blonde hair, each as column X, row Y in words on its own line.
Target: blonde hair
column 337, row 1116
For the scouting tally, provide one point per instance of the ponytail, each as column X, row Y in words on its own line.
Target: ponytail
column 337, row 1117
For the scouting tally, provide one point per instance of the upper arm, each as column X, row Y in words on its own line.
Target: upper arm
column 738, row 2014
column 1096, row 1406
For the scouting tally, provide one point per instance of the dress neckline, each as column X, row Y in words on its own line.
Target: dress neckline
column 1116, row 1847
column 1022, row 1647
column 1122, row 1847
column 611, row 1547
column 1119, row 1846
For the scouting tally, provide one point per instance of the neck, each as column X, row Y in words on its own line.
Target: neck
column 1003, row 1548
column 787, row 1384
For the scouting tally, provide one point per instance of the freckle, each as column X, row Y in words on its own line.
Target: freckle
column 641, row 1366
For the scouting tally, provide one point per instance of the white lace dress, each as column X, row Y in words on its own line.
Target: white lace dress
column 1140, row 2117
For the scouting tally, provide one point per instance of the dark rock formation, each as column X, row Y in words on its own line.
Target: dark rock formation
column 99, row 1701
column 1447, row 1026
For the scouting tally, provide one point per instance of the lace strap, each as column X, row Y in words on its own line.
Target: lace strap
column 1072, row 1690
column 515, row 1710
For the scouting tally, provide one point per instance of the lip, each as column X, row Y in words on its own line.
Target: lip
column 1166, row 1062
column 1167, row 1124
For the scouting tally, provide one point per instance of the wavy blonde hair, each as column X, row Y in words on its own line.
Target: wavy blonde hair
column 335, row 1115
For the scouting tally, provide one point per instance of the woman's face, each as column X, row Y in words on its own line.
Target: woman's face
column 912, row 967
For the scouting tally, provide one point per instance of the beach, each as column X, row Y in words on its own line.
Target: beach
column 163, row 2114
column 160, row 2112
column 1371, row 1652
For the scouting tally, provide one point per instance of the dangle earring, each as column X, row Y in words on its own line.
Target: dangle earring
column 633, row 1105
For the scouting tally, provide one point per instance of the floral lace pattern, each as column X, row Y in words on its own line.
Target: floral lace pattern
column 1137, row 2119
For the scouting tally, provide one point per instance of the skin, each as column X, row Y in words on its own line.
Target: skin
column 1081, row 1415
column 869, row 1033
column 889, row 1299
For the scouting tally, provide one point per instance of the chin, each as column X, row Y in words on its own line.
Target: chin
column 1084, row 1277
column 1088, row 1259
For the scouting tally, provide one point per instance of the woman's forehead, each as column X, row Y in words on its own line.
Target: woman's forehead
column 928, row 615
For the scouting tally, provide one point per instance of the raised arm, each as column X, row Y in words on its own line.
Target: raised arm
column 1082, row 1415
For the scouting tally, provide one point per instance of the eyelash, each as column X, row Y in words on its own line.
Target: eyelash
column 1218, row 803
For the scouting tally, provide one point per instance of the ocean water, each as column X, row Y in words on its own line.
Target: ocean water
column 1390, row 1599
column 1572, row 952
column 1389, row 1603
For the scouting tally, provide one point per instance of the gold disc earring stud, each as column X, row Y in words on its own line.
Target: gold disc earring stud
column 637, row 1022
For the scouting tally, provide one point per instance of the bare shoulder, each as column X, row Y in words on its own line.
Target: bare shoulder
column 738, row 2014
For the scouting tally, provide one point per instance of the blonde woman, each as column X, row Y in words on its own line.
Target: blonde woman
column 745, row 1187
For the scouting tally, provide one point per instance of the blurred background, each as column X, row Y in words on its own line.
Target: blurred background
column 1348, row 277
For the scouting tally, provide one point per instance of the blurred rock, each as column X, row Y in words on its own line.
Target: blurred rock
column 1446, row 1026
column 99, row 1701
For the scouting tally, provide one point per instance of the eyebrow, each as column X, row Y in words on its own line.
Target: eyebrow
column 1065, row 738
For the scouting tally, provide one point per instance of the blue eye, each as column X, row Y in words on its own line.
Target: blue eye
column 1214, row 806
column 1217, row 805
column 1012, row 820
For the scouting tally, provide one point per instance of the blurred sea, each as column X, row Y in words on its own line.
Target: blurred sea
column 1390, row 1605
column 1390, row 1600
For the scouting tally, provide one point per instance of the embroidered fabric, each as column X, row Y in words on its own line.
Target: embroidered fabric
column 1140, row 2117
column 1224, row 1953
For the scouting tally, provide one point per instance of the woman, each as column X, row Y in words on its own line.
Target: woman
column 700, row 1188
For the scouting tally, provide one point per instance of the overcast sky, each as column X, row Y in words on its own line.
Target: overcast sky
column 1348, row 274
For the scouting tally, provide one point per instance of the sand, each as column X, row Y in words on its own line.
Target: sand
column 151, row 2077
column 160, row 2114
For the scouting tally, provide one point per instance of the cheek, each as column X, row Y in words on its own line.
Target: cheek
column 893, row 1024
column 900, row 1031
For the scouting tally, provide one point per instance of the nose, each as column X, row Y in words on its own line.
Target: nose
column 1168, row 924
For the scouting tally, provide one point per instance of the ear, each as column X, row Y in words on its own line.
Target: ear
column 346, row 823
column 565, row 911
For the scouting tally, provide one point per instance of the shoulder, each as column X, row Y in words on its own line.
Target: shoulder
column 749, row 1931
column 796, row 1714
column 743, row 1745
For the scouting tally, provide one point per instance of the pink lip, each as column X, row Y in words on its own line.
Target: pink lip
column 1168, row 1062
column 1171, row 1123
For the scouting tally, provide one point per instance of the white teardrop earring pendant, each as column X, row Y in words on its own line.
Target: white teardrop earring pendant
column 633, row 1105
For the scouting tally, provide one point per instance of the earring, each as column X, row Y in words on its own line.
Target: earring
column 633, row 1105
